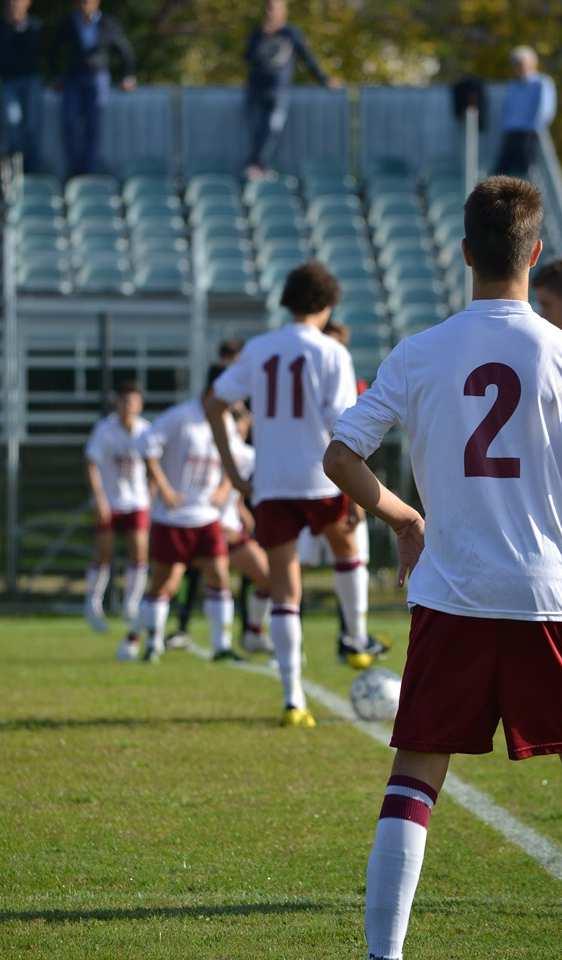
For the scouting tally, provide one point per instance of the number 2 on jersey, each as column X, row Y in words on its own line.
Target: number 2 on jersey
column 271, row 368
column 477, row 463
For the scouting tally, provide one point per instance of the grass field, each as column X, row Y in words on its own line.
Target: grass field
column 160, row 812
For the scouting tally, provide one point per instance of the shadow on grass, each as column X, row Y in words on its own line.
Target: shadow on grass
column 164, row 913
column 69, row 723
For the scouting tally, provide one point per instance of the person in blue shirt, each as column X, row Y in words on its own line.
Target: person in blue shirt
column 80, row 55
column 20, row 73
column 272, row 51
column 529, row 107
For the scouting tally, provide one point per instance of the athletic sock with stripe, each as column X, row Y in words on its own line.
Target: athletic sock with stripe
column 395, row 864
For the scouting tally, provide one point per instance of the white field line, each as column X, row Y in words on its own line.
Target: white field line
column 539, row 848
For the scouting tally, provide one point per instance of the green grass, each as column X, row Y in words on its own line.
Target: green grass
column 162, row 813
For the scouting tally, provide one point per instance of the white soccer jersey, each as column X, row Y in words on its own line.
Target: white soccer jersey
column 116, row 453
column 245, row 458
column 181, row 439
column 298, row 381
column 480, row 396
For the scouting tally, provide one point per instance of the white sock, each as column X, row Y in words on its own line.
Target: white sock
column 153, row 615
column 351, row 581
column 395, row 864
column 259, row 608
column 135, row 583
column 219, row 608
column 286, row 634
column 97, row 579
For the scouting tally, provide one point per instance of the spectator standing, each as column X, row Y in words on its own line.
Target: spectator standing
column 80, row 54
column 20, row 53
column 272, row 52
column 528, row 108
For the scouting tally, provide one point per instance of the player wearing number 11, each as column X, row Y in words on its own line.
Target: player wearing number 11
column 299, row 382
column 480, row 397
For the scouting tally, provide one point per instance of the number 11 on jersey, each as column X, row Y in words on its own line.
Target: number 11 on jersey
column 295, row 368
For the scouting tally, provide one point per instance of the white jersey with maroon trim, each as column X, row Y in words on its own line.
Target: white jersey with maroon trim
column 245, row 459
column 298, row 381
column 480, row 397
column 182, row 440
column 116, row 453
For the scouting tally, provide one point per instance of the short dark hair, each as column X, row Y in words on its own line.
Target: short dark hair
column 309, row 289
column 549, row 277
column 229, row 349
column 213, row 373
column 502, row 221
column 128, row 386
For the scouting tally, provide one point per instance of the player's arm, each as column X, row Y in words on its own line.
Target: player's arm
column 217, row 410
column 101, row 503
column 221, row 494
column 352, row 475
column 156, row 476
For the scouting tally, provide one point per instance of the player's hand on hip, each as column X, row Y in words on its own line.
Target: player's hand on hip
column 173, row 499
column 410, row 545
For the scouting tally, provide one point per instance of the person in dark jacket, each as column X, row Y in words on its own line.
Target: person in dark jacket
column 20, row 53
column 80, row 55
column 272, row 52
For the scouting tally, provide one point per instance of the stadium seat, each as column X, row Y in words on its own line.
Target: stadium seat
column 219, row 228
column 103, row 279
column 43, row 280
column 29, row 244
column 332, row 205
column 403, row 272
column 146, row 186
column 34, row 209
column 273, row 208
column 40, row 185
column 91, row 186
column 278, row 230
column 152, row 205
column 256, row 190
column 161, row 278
column 209, row 185
column 275, row 273
column 388, row 165
column 88, row 208
column 335, row 228
column 148, row 244
column 226, row 280
column 393, row 205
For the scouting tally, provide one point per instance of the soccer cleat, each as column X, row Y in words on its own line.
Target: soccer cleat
column 128, row 649
column 93, row 614
column 223, row 655
column 254, row 641
column 153, row 652
column 294, row 717
column 360, row 658
column 178, row 641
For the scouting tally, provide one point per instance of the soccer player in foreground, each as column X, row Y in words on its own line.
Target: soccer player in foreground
column 299, row 382
column 480, row 398
column 184, row 465
column 117, row 478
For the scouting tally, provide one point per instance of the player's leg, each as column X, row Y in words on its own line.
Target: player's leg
column 219, row 605
column 153, row 614
column 97, row 579
column 286, row 630
column 351, row 582
column 136, row 572
column 251, row 561
column 398, row 850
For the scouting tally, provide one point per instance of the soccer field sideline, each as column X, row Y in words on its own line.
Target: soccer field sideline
column 539, row 848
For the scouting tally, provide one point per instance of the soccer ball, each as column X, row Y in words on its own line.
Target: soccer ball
column 374, row 694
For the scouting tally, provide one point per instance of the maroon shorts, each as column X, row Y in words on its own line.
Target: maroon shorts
column 129, row 522
column 185, row 544
column 280, row 521
column 465, row 674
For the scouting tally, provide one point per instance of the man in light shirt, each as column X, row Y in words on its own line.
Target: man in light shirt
column 117, row 479
column 480, row 397
column 299, row 381
column 528, row 108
